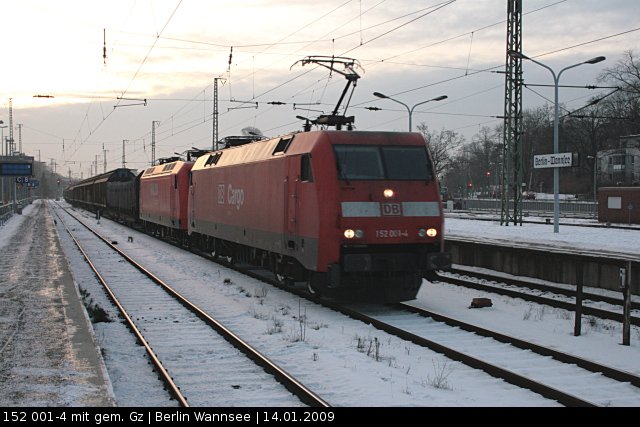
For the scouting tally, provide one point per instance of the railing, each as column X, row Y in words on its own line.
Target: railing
column 528, row 206
column 6, row 211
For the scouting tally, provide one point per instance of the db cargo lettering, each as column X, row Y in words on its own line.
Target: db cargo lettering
column 235, row 196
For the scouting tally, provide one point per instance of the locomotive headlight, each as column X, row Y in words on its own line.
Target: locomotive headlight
column 350, row 234
column 422, row 232
column 432, row 232
column 388, row 193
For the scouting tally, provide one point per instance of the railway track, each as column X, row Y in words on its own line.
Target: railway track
column 502, row 357
column 546, row 294
column 201, row 362
column 524, row 364
column 616, row 374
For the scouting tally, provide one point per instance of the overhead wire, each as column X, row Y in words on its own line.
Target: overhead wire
column 430, row 9
column 291, row 34
column 473, row 72
column 437, row 7
column 288, row 81
column 134, row 76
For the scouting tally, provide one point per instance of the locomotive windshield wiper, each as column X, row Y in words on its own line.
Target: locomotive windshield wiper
column 342, row 174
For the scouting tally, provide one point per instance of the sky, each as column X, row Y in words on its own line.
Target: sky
column 162, row 58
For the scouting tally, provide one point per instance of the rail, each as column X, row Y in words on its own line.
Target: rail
column 493, row 370
column 617, row 374
column 292, row 384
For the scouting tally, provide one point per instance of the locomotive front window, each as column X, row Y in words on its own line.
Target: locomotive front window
column 406, row 163
column 367, row 162
column 359, row 162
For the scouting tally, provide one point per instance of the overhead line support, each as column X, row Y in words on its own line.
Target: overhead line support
column 510, row 191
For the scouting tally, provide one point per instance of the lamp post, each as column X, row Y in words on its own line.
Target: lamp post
column 2, row 151
column 2, row 137
column 556, row 172
column 595, row 188
column 410, row 110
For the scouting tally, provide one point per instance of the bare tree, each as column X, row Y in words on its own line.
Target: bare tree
column 484, row 155
column 442, row 145
column 622, row 109
column 626, row 74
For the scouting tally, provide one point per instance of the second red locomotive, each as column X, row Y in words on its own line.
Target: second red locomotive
column 164, row 191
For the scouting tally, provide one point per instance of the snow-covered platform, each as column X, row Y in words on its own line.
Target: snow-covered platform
column 592, row 256
column 49, row 355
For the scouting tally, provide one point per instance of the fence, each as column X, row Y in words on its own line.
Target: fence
column 6, row 211
column 586, row 209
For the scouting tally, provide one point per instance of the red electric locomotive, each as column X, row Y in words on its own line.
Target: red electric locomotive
column 349, row 213
column 164, row 191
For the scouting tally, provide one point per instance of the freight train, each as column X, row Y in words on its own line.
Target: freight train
column 351, row 214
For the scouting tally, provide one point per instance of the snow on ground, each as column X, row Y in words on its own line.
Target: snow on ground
column 10, row 227
column 333, row 355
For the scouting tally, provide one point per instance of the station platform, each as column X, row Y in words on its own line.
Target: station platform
column 48, row 351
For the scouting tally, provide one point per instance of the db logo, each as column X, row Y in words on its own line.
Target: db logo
column 391, row 209
column 221, row 194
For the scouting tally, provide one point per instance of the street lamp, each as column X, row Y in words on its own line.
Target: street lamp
column 410, row 110
column 556, row 172
column 2, row 151
column 2, row 136
column 595, row 193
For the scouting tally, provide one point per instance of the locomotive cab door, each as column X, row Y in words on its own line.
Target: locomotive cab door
column 292, row 201
column 174, row 201
column 191, row 204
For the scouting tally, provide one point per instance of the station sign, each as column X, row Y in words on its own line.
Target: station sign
column 559, row 160
column 16, row 169
column 16, row 165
